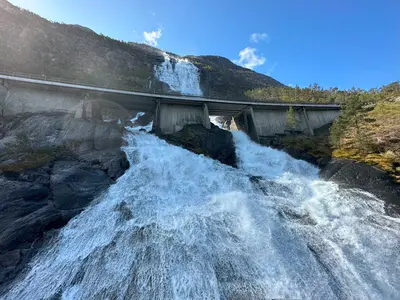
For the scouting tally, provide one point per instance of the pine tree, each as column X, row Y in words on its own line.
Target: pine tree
column 291, row 119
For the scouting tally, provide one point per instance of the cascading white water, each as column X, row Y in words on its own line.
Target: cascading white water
column 215, row 121
column 182, row 226
column 181, row 75
column 146, row 128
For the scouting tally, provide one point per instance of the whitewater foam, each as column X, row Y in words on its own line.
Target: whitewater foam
column 215, row 121
column 135, row 128
column 182, row 226
column 180, row 74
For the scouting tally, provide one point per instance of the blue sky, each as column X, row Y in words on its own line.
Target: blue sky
column 340, row 43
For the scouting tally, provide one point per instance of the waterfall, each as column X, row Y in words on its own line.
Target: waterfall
column 216, row 121
column 178, row 225
column 180, row 74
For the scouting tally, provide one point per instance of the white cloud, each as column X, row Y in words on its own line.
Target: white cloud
column 258, row 37
column 152, row 37
column 249, row 59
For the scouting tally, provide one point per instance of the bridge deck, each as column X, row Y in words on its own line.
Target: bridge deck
column 145, row 101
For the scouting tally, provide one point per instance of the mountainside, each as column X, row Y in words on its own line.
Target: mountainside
column 31, row 44
column 220, row 77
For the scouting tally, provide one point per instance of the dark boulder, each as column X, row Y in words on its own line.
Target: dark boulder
column 10, row 259
column 111, row 161
column 75, row 184
column 214, row 142
column 350, row 173
column 36, row 200
column 8, row 263
column 18, row 200
column 26, row 213
column 317, row 160
column 301, row 154
column 30, row 228
column 143, row 119
column 38, row 175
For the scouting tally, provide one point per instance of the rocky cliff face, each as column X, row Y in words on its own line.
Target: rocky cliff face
column 221, row 78
column 49, row 177
column 352, row 174
column 215, row 143
column 33, row 45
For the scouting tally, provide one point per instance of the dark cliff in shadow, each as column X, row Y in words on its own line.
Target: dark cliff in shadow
column 33, row 45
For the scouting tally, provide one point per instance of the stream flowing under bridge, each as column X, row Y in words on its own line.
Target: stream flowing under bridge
column 22, row 93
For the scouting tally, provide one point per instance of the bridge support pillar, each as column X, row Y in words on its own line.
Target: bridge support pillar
column 307, row 120
column 245, row 121
column 206, row 117
column 90, row 109
column 156, row 121
column 170, row 118
column 93, row 110
column 79, row 112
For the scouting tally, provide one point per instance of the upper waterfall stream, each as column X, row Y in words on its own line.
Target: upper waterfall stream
column 182, row 226
column 180, row 74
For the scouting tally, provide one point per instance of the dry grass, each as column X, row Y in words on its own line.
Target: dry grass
column 376, row 141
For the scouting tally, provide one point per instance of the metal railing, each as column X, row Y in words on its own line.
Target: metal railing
column 60, row 80
column 88, row 84
column 147, row 91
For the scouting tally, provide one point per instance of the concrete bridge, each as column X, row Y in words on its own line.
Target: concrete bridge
column 171, row 112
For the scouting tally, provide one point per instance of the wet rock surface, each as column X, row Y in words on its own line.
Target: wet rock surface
column 320, row 162
column 215, row 143
column 54, row 129
column 35, row 201
column 78, row 181
column 352, row 174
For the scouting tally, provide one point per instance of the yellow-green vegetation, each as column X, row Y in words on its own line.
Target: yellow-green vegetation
column 371, row 135
column 32, row 160
column 368, row 129
column 208, row 67
column 314, row 94
column 291, row 118
column 201, row 65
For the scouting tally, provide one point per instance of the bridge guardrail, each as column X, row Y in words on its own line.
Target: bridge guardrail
column 54, row 79
column 76, row 82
